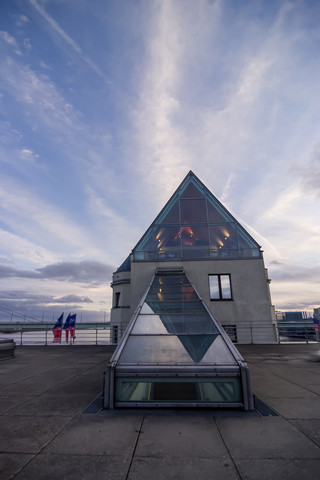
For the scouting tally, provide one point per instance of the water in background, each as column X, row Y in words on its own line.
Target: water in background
column 98, row 336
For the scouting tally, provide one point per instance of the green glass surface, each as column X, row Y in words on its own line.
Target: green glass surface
column 181, row 390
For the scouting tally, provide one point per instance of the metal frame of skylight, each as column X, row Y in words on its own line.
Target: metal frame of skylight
column 179, row 371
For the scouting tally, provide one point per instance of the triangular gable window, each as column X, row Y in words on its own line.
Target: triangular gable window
column 175, row 353
column 195, row 225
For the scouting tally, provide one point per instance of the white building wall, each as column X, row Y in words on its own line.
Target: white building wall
column 250, row 310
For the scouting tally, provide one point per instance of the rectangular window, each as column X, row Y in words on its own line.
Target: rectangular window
column 117, row 300
column 220, row 287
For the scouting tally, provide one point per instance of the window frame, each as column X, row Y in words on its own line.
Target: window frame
column 218, row 276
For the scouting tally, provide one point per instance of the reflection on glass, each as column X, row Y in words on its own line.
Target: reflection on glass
column 192, row 191
column 193, row 211
column 194, row 225
column 225, row 287
column 166, row 389
column 214, row 287
column 216, row 214
column 171, row 216
column 223, row 237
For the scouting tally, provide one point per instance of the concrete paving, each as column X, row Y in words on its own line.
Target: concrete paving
column 45, row 434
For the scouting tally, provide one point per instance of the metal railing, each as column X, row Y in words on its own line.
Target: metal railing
column 245, row 334
column 94, row 336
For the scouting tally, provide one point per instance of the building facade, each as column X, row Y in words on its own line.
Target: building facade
column 220, row 258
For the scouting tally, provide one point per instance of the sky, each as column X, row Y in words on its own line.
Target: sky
column 106, row 105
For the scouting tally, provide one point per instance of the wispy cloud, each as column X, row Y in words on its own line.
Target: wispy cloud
column 160, row 139
column 10, row 40
column 41, row 223
column 58, row 34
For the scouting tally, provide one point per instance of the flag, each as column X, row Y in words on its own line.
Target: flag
column 57, row 329
column 59, row 322
column 67, row 323
column 72, row 325
column 72, row 320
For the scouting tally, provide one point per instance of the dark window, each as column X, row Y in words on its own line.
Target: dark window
column 220, row 287
column 117, row 299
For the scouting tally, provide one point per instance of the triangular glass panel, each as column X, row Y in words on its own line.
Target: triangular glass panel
column 191, row 190
column 194, row 225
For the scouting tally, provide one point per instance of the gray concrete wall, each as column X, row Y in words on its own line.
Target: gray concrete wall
column 250, row 308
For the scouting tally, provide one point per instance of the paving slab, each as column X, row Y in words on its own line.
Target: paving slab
column 12, row 463
column 298, row 374
column 51, row 405
column 311, row 428
column 28, row 434
column 98, row 435
column 74, row 467
column 37, row 384
column 279, row 469
column 168, row 468
column 10, row 402
column 266, row 437
column 298, row 408
column 279, row 387
column 187, row 437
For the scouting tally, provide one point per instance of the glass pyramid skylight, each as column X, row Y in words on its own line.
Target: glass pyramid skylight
column 174, row 353
column 193, row 225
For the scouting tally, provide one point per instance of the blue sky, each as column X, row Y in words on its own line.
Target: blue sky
column 106, row 105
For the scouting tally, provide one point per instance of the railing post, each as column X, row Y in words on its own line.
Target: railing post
column 21, row 336
column 96, row 336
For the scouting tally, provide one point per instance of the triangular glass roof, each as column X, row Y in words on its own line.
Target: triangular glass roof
column 193, row 225
column 174, row 327
column 174, row 349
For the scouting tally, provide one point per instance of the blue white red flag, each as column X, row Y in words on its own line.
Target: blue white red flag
column 67, row 323
column 57, row 329
column 72, row 320
column 59, row 322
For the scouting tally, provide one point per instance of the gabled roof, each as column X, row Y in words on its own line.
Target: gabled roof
column 194, row 225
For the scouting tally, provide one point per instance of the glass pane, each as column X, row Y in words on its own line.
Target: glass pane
column 148, row 242
column 214, row 287
column 192, row 191
column 223, row 237
column 217, row 214
column 193, row 211
column 245, row 241
column 181, row 390
column 218, row 353
column 195, row 237
column 171, row 280
column 176, row 307
column 147, row 349
column 171, row 216
column 167, row 237
column 180, row 323
column 166, row 293
column 149, row 324
column 225, row 287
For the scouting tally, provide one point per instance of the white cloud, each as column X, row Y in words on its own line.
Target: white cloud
column 10, row 40
column 38, row 221
column 25, row 252
column 55, row 31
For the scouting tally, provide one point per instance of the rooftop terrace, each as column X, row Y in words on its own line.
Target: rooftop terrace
column 48, row 432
